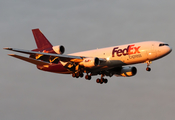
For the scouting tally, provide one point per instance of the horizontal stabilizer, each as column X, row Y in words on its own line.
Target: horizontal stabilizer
column 30, row 60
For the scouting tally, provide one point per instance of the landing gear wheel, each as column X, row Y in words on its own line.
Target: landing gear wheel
column 81, row 75
column 77, row 75
column 73, row 75
column 148, row 69
column 105, row 80
column 102, row 80
column 98, row 80
column 88, row 77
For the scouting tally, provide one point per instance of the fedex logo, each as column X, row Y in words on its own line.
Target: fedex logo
column 131, row 49
column 87, row 60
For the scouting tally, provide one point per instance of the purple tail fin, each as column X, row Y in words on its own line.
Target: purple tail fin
column 41, row 41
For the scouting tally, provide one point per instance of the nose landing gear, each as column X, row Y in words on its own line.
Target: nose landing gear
column 148, row 69
column 148, row 64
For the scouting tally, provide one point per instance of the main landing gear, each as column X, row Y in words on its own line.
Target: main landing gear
column 148, row 64
column 102, row 80
column 78, row 74
column 88, row 77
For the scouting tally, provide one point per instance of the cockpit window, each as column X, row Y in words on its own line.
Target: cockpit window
column 163, row 44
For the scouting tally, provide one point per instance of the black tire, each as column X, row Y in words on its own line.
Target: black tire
column 86, row 77
column 77, row 74
column 98, row 80
column 105, row 80
column 81, row 75
column 73, row 75
column 148, row 69
column 89, row 77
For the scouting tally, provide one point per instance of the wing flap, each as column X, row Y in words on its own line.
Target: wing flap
column 30, row 60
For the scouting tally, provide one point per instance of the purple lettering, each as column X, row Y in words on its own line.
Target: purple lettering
column 126, row 51
column 119, row 52
column 114, row 50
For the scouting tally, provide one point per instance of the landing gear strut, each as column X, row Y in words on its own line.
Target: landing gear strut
column 148, row 64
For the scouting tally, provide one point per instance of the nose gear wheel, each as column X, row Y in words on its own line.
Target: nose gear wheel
column 148, row 64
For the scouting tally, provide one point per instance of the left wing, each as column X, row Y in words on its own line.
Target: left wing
column 64, row 58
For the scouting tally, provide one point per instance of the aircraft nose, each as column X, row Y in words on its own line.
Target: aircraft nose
column 164, row 50
column 170, row 49
column 167, row 49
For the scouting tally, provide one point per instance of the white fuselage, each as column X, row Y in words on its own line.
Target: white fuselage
column 130, row 53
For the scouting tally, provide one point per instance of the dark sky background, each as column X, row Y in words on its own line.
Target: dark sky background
column 29, row 94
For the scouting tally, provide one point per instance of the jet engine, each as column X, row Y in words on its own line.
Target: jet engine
column 90, row 62
column 124, row 71
column 58, row 49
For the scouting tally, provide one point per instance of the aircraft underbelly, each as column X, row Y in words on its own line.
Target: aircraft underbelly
column 107, row 65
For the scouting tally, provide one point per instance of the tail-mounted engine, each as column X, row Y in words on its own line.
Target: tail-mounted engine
column 90, row 62
column 59, row 49
column 124, row 71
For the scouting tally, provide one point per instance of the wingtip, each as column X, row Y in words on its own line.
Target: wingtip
column 11, row 54
column 6, row 48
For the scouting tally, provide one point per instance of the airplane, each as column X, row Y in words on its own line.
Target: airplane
column 105, row 61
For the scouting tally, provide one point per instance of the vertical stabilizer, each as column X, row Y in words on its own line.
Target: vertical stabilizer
column 41, row 41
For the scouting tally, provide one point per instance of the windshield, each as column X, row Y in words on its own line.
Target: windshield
column 163, row 44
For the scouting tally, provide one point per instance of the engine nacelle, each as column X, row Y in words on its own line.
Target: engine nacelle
column 125, row 71
column 90, row 62
column 58, row 49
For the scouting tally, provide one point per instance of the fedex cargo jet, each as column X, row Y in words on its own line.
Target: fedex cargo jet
column 105, row 61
